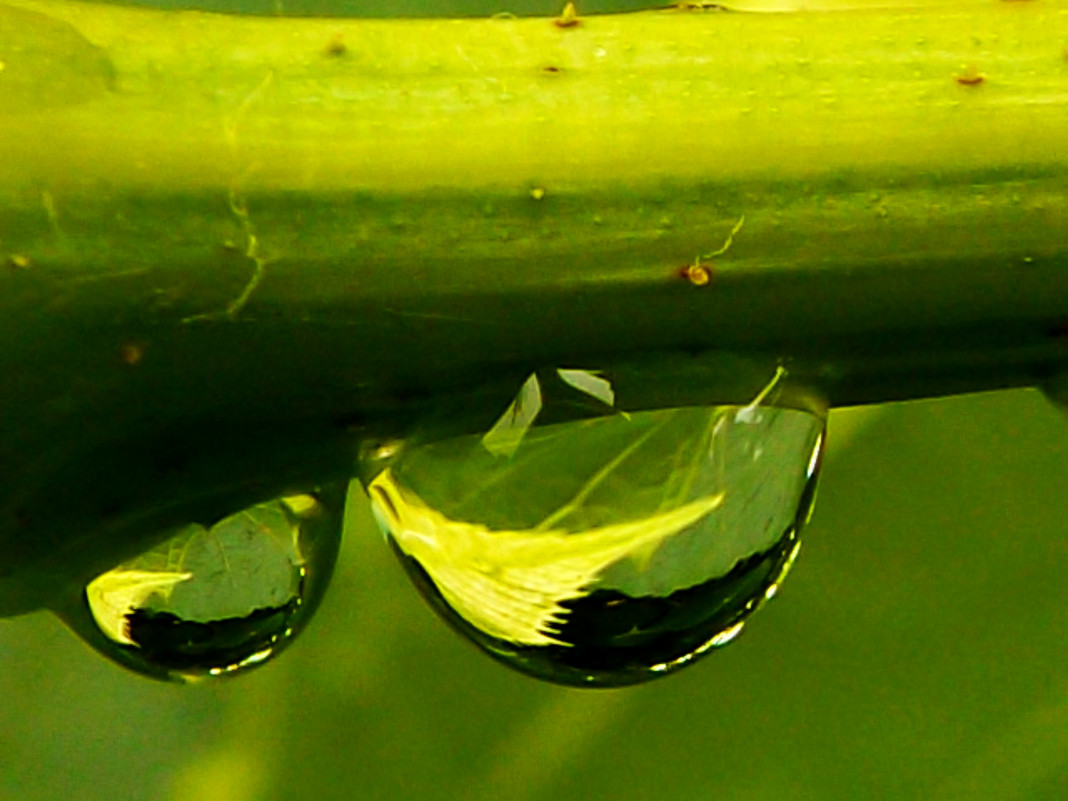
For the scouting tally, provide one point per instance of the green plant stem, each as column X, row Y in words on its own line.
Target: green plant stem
column 236, row 247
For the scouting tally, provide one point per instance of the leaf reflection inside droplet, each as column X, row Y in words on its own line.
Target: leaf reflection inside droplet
column 605, row 550
column 215, row 600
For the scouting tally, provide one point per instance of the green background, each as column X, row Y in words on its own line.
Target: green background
column 917, row 651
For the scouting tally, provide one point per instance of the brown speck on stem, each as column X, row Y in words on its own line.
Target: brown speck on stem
column 132, row 353
column 336, row 48
column 696, row 274
column 568, row 18
column 700, row 275
column 971, row 76
column 551, row 70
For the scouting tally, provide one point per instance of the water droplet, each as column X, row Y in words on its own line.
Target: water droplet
column 605, row 548
column 214, row 601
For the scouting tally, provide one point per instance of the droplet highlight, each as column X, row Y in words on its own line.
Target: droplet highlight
column 216, row 600
column 606, row 550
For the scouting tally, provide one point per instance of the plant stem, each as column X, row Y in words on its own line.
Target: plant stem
column 236, row 246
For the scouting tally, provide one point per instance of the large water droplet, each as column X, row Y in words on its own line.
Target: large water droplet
column 607, row 550
column 213, row 601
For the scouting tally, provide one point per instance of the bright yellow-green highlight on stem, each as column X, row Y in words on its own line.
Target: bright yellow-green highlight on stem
column 204, row 100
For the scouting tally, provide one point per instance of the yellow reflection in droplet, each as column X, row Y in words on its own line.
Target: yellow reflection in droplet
column 511, row 584
column 115, row 593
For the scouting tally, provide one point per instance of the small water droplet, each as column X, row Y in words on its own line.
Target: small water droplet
column 216, row 600
column 610, row 548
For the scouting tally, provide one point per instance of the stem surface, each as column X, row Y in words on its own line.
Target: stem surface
column 236, row 247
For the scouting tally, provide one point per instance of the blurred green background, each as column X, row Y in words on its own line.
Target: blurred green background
column 917, row 651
